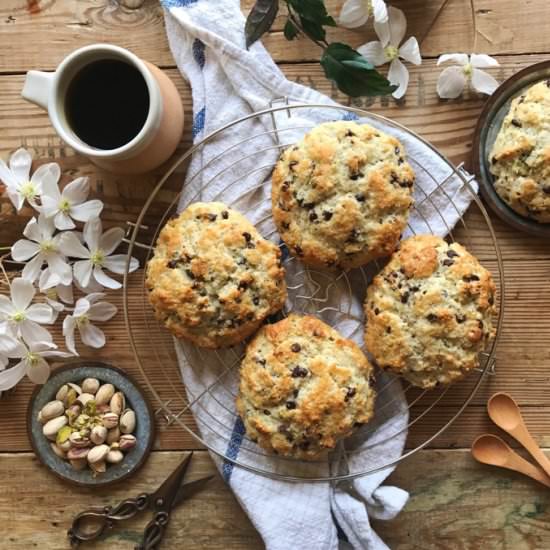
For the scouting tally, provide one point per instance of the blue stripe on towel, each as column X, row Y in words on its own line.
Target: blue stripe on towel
column 198, row 52
column 177, row 3
column 233, row 448
column 350, row 116
column 198, row 122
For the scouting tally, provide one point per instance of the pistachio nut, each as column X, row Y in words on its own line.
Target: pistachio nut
column 127, row 442
column 83, row 398
column 66, row 445
column 51, row 427
column 78, row 453
column 99, row 467
column 79, row 463
column 58, row 451
column 63, row 435
column 90, row 385
column 73, row 412
column 98, row 434
column 104, row 394
column 128, row 421
column 78, row 440
column 98, row 453
column 39, row 418
column 114, row 456
column 113, row 435
column 115, row 446
column 110, row 420
column 71, row 397
column 62, row 392
column 53, row 409
column 118, row 402
column 75, row 387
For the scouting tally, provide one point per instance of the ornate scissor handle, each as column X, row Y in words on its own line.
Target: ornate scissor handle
column 154, row 531
column 92, row 523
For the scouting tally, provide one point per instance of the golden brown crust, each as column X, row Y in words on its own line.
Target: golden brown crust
column 429, row 312
column 341, row 196
column 303, row 387
column 213, row 279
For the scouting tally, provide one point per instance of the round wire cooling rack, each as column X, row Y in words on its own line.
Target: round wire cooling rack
column 235, row 170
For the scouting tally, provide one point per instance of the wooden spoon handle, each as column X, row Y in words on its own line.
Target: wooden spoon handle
column 519, row 464
column 524, row 437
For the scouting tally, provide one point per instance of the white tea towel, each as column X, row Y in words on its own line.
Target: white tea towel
column 229, row 82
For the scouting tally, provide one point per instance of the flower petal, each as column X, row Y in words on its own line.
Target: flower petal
column 69, row 324
column 10, row 377
column 46, row 226
column 38, row 371
column 483, row 82
column 47, row 280
column 7, row 176
column 102, row 311
column 83, row 272
column 111, row 239
column 39, row 313
column 91, row 335
column 48, row 173
column 451, row 82
column 354, row 13
column 22, row 293
column 32, row 269
column 380, row 11
column 459, row 58
column 77, row 190
column 92, row 233
column 410, row 51
column 10, row 347
column 6, row 307
column 65, row 293
column 32, row 332
column 60, row 268
column 104, row 279
column 22, row 250
column 87, row 210
column 71, row 246
column 20, row 165
column 482, row 61
column 398, row 75
column 16, row 198
column 95, row 297
column 81, row 307
column 382, row 30
column 116, row 263
column 92, row 286
column 32, row 230
column 373, row 52
column 398, row 25
column 50, row 206
column 63, row 221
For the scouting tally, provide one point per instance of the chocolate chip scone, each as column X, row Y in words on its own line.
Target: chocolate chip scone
column 341, row 196
column 429, row 312
column 520, row 158
column 213, row 278
column 303, row 387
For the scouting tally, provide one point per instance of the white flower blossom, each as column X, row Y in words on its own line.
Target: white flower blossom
column 55, row 293
column 69, row 204
column 43, row 247
column 8, row 345
column 20, row 186
column 32, row 361
column 355, row 13
column 388, row 49
column 97, row 255
column 453, row 80
column 87, row 309
column 20, row 317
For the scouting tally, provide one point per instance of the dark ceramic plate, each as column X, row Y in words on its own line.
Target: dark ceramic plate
column 488, row 126
column 76, row 372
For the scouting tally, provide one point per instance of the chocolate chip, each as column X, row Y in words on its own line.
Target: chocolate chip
column 203, row 292
column 327, row 215
column 190, row 274
column 448, row 263
column 225, row 214
column 173, row 264
column 400, row 161
column 260, row 361
column 349, row 133
column 354, row 236
column 354, row 176
column 243, row 285
column 406, row 183
column 404, row 297
column 298, row 250
column 295, row 392
column 256, row 300
column 247, row 237
column 470, row 278
column 292, row 164
column 521, row 99
column 432, row 317
column 250, row 245
column 304, row 445
column 312, row 216
column 546, row 189
column 212, row 217
column 242, row 261
column 299, row 372
column 494, row 160
column 290, row 405
column 414, row 288
column 548, row 83
column 267, row 413
column 350, row 393
column 295, row 347
column 515, row 122
column 249, row 316
column 452, row 254
column 284, row 187
column 376, row 311
column 480, row 324
column 491, row 300
column 308, row 205
column 285, row 225
column 388, row 330
column 360, row 197
column 300, row 201
column 397, row 151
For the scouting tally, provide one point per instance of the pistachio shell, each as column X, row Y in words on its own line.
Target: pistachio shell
column 104, row 394
column 58, row 451
column 110, row 420
column 128, row 421
column 39, row 418
column 113, row 435
column 99, row 467
column 118, row 402
column 53, row 409
column 90, row 385
column 66, row 445
column 98, row 453
column 84, row 398
column 127, row 442
column 114, row 456
column 78, row 440
column 98, row 434
column 63, row 435
column 102, row 409
column 75, row 387
column 73, row 412
column 79, row 463
column 51, row 427
column 61, row 394
column 78, row 453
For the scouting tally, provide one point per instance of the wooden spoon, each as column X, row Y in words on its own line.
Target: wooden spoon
column 490, row 449
column 505, row 413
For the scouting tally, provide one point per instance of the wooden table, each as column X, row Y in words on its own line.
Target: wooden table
column 455, row 503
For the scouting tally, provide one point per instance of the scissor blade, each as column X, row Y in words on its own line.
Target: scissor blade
column 163, row 498
column 187, row 490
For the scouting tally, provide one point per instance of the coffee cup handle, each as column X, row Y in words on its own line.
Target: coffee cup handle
column 37, row 88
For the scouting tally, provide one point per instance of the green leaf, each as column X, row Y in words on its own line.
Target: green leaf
column 290, row 31
column 260, row 19
column 313, row 29
column 313, row 10
column 352, row 73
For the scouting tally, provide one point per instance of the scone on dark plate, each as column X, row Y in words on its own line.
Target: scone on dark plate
column 303, row 387
column 428, row 312
column 213, row 278
column 341, row 195
column 520, row 158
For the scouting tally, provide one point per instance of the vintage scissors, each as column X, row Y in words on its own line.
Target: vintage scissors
column 91, row 524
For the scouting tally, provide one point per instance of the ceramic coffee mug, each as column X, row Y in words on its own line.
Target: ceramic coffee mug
column 123, row 113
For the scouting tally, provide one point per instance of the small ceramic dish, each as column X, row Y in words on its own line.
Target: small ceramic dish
column 76, row 372
column 488, row 126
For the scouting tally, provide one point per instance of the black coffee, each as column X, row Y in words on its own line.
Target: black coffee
column 107, row 103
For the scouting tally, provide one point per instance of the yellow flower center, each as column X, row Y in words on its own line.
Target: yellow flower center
column 28, row 190
column 47, row 246
column 467, row 70
column 98, row 257
column 64, row 206
column 391, row 52
column 32, row 358
column 18, row 317
column 370, row 9
column 51, row 293
column 82, row 320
